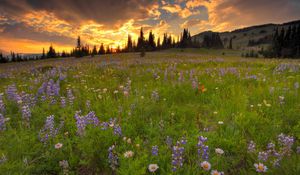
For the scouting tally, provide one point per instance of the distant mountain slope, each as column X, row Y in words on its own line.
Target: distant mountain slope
column 253, row 37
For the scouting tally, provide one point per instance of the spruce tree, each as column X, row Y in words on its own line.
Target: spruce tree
column 151, row 41
column 101, row 50
column 51, row 53
column 158, row 44
column 297, row 45
column 43, row 54
column 2, row 58
column 129, row 47
column 94, row 51
column 230, row 43
column 141, row 41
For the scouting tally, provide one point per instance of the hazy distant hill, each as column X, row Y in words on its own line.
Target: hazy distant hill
column 259, row 36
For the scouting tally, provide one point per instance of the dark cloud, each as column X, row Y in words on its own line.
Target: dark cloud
column 21, row 31
column 259, row 11
column 101, row 11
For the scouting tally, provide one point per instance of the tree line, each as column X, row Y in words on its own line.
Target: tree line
column 143, row 44
column 285, row 43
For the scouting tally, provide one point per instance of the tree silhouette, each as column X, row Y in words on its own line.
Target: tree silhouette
column 158, row 47
column 141, row 41
column 129, row 47
column 101, row 50
column 151, row 41
column 186, row 39
column 2, row 58
column 94, row 51
column 43, row 54
column 51, row 53
column 230, row 43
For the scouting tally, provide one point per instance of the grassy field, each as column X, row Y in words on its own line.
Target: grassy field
column 187, row 112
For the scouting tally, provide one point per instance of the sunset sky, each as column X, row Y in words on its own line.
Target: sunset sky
column 26, row 26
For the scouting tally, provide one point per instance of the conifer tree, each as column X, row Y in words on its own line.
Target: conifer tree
column 51, row 53
column 151, row 41
column 141, row 41
column 43, row 54
column 129, row 47
column 101, row 50
column 94, row 51
column 158, row 47
column 230, row 43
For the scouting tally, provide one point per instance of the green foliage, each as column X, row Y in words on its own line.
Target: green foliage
column 243, row 94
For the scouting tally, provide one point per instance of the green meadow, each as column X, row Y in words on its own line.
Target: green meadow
column 118, row 114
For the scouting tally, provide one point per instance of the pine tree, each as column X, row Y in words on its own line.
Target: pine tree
column 108, row 50
column 230, row 43
column 78, row 42
column 94, row 52
column 43, row 54
column 165, row 41
column 2, row 58
column 129, row 47
column 281, row 41
column 297, row 45
column 63, row 54
column 79, row 50
column 13, row 57
column 101, row 50
column 287, row 38
column 186, row 40
column 151, row 41
column 158, row 47
column 141, row 41
column 51, row 53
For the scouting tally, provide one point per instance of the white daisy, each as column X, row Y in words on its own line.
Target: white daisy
column 153, row 167
column 261, row 168
column 205, row 165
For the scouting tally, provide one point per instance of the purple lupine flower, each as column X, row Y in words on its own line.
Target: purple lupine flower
column 154, row 150
column 62, row 102
column 183, row 140
column 2, row 123
column 11, row 92
column 113, row 158
column 276, row 162
column 83, row 121
column 49, row 130
column 286, row 142
column 202, row 148
column 270, row 147
column 26, row 115
column 263, row 156
column 169, row 141
column 177, row 156
column 70, row 96
column 2, row 105
column 117, row 130
column 91, row 118
column 251, row 146
column 80, row 123
column 104, row 125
